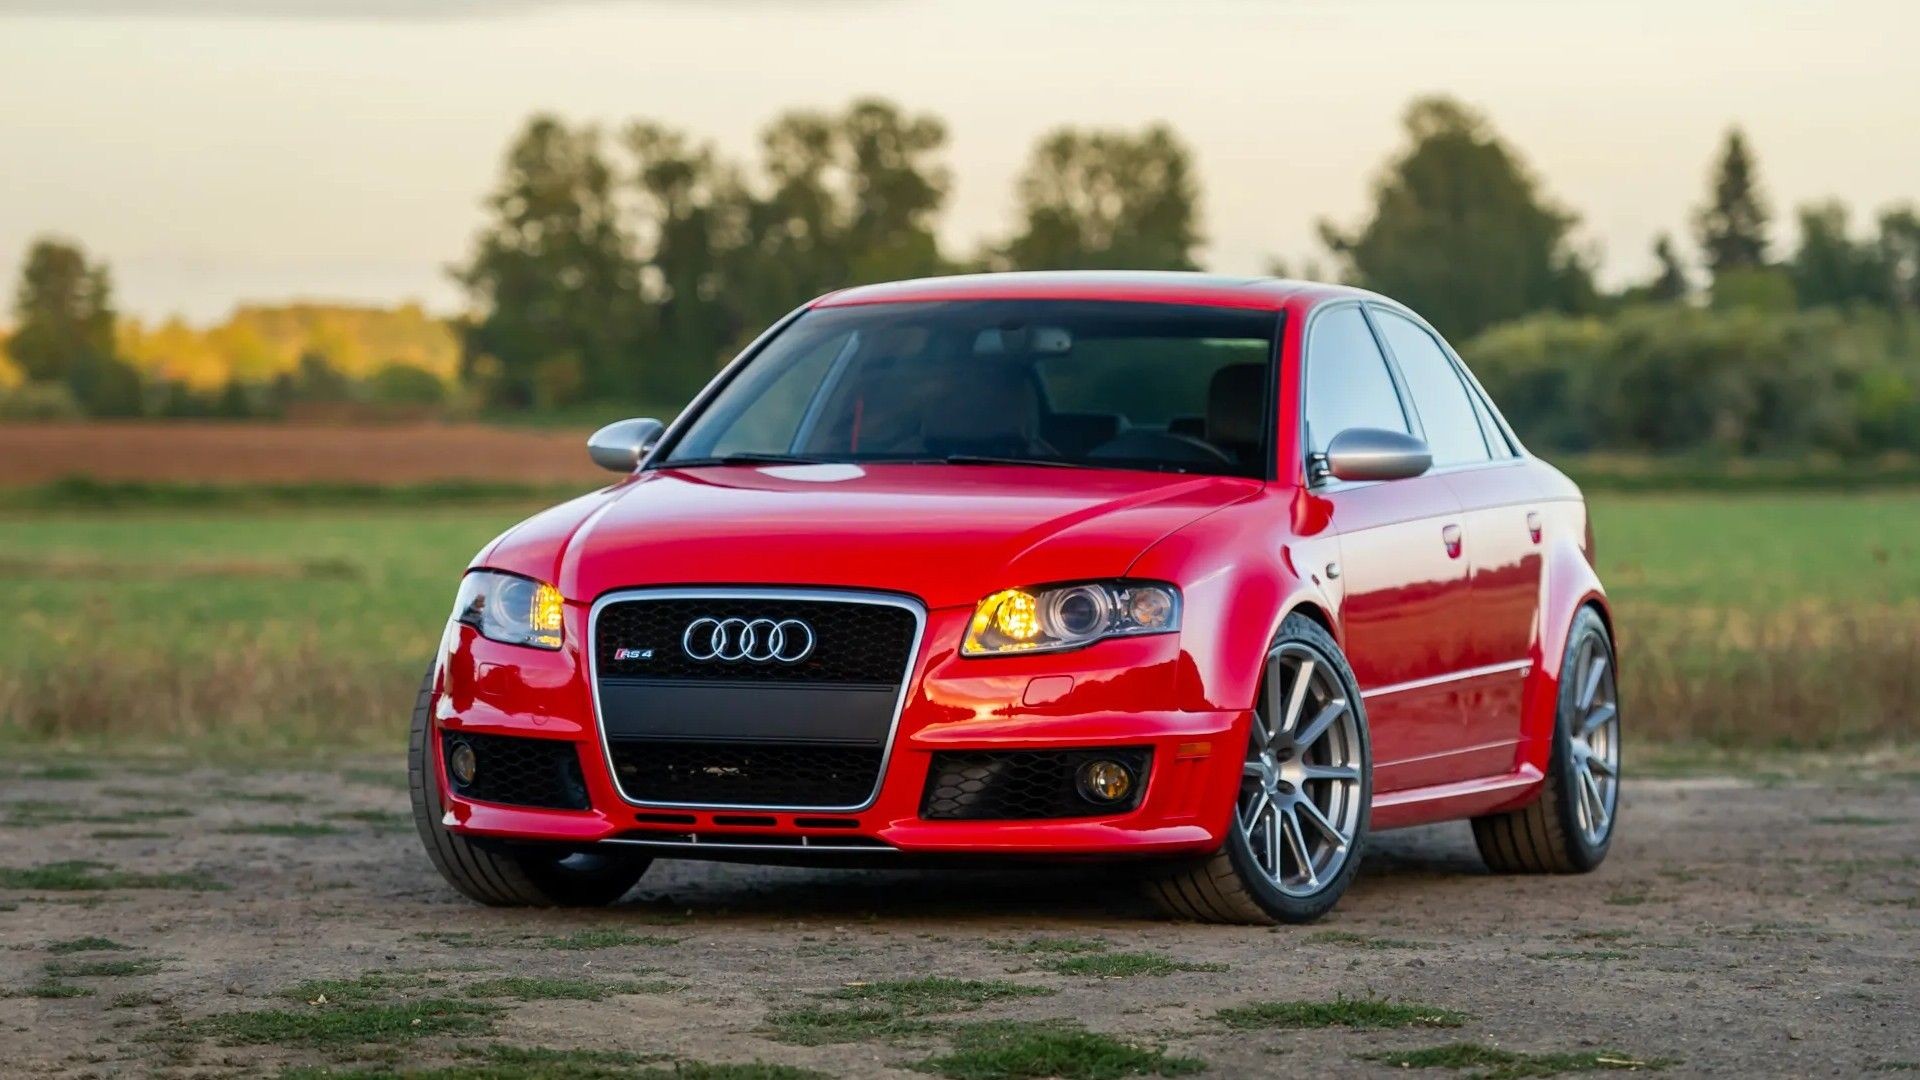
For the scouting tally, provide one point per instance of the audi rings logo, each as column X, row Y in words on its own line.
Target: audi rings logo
column 762, row 641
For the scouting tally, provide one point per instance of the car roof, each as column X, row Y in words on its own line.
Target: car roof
column 1130, row 286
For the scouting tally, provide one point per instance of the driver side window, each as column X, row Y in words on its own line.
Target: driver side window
column 1348, row 385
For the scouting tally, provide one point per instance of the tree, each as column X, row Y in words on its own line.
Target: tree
column 64, row 333
column 1732, row 226
column 1830, row 268
column 693, row 212
column 1106, row 200
column 1460, row 230
column 1671, row 284
column 851, row 198
column 1899, row 245
column 554, row 276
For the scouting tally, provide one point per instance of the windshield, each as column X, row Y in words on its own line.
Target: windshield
column 1106, row 385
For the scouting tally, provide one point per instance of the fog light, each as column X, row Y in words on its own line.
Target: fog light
column 1105, row 781
column 462, row 763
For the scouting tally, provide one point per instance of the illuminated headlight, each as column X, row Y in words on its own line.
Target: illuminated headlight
column 510, row 608
column 1067, row 616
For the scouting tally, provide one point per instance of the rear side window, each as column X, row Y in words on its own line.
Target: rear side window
column 1447, row 413
column 1348, row 385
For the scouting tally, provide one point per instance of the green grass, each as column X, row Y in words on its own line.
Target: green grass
column 891, row 1008
column 1362, row 941
column 1492, row 1063
column 365, row 987
column 1019, row 1051
column 1050, row 946
column 307, row 626
column 60, row 772
column 815, row 1026
column 1366, row 1013
column 347, row 1025
column 516, row 1063
column 81, row 969
column 603, row 938
column 50, row 989
column 534, row 988
column 937, row 994
column 298, row 829
column 1114, row 965
column 85, row 944
column 80, row 875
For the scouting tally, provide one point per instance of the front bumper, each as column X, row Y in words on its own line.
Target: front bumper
column 1118, row 693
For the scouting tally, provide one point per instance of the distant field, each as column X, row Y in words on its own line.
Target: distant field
column 177, row 453
column 1744, row 619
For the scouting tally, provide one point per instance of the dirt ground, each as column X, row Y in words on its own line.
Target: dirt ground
column 1741, row 926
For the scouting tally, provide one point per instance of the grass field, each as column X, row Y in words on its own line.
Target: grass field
column 1744, row 619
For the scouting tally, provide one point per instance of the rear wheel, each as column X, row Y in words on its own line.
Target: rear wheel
column 1569, row 827
column 1300, row 819
column 502, row 877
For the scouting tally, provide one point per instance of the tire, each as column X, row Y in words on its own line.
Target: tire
column 1557, row 833
column 495, row 876
column 1233, row 885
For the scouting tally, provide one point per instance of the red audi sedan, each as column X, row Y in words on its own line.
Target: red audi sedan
column 1211, row 575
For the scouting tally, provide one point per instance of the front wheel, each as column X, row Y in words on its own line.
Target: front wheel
column 1568, row 829
column 1306, row 787
column 499, row 877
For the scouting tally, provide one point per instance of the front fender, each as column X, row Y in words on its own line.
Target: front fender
column 1242, row 571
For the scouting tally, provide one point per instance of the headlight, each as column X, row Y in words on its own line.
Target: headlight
column 1067, row 616
column 510, row 608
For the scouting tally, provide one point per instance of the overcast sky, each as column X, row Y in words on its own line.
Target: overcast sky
column 220, row 150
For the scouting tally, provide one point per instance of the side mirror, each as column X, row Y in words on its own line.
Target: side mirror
column 1376, row 454
column 622, row 445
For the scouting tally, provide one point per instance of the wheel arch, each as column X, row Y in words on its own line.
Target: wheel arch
column 1568, row 587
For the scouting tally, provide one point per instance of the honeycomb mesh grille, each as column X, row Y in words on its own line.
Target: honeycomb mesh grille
column 745, row 774
column 1022, row 784
column 855, row 643
column 520, row 772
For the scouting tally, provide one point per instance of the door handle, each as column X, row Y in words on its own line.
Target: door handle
column 1450, row 535
column 1533, row 525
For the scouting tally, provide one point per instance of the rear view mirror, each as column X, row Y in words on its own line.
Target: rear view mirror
column 1376, row 454
column 622, row 445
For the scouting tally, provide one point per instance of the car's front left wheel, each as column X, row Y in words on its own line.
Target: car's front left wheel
column 1306, row 787
column 503, row 877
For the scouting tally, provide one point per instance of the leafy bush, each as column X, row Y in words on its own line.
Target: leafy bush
column 1669, row 378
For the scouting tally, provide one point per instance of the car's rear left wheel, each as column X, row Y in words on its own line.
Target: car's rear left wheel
column 504, row 877
column 1300, row 818
column 1568, row 829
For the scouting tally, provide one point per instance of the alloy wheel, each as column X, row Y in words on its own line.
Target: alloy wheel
column 1593, row 737
column 1300, row 789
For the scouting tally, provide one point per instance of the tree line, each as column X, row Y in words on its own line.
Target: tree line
column 626, row 265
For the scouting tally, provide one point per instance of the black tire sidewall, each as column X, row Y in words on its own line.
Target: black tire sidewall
column 1586, row 625
column 537, row 876
column 1298, row 630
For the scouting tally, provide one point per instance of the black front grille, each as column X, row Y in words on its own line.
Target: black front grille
column 854, row 643
column 519, row 772
column 1022, row 784
column 745, row 774
column 807, row 734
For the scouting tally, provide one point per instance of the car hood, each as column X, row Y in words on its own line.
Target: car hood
column 947, row 534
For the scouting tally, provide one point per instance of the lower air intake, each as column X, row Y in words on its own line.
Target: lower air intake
column 542, row 773
column 1024, row 784
column 756, row 774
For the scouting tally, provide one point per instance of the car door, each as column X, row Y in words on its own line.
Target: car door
column 1500, row 536
column 1403, row 586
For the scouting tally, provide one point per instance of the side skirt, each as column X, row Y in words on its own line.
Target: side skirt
column 1461, row 799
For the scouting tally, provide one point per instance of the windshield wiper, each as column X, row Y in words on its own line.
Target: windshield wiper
column 746, row 459
column 988, row 459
